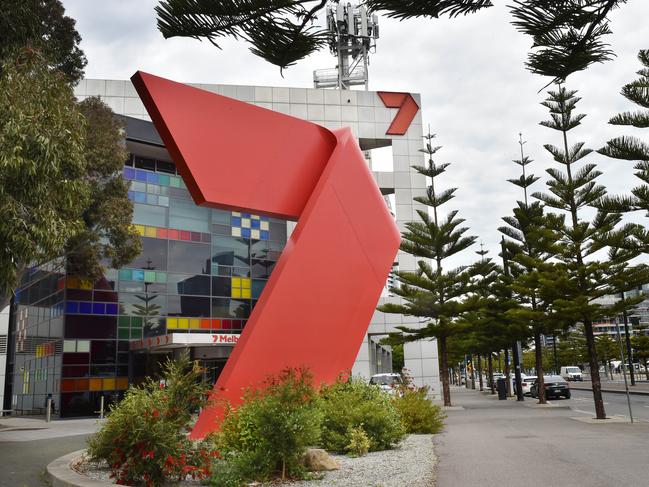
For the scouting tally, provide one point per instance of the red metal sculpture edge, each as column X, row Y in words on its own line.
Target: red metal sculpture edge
column 318, row 302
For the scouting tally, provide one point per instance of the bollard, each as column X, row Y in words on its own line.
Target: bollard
column 101, row 407
column 48, row 410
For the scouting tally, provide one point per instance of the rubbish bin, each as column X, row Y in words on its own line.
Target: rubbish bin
column 501, row 385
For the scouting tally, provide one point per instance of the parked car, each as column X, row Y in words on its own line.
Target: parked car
column 555, row 386
column 571, row 373
column 527, row 384
column 387, row 382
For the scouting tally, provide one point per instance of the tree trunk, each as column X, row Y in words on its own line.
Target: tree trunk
column 600, row 413
column 480, row 372
column 490, row 371
column 472, row 374
column 507, row 381
column 540, row 383
column 517, row 372
column 446, row 388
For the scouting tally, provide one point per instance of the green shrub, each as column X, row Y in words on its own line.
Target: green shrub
column 353, row 403
column 144, row 439
column 359, row 442
column 418, row 413
column 269, row 433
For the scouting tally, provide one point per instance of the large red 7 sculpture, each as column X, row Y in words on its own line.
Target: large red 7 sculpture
column 318, row 302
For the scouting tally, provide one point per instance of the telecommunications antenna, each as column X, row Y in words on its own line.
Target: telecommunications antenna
column 352, row 35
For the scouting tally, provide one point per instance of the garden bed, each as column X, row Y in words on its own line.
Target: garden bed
column 411, row 464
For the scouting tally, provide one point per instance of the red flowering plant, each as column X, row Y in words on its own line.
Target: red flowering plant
column 144, row 440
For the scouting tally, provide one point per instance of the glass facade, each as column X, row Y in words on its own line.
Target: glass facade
column 201, row 270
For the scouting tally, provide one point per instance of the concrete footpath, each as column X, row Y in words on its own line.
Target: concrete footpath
column 23, row 428
column 506, row 443
column 28, row 444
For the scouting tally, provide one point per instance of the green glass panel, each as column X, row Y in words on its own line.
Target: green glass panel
column 163, row 179
column 160, row 277
column 136, row 321
column 123, row 334
column 124, row 321
column 174, row 181
column 149, row 276
column 124, row 274
column 136, row 333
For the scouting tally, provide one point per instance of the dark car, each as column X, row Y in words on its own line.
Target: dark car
column 555, row 386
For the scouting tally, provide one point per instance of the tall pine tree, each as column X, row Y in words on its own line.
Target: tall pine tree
column 579, row 278
column 527, row 250
column 432, row 292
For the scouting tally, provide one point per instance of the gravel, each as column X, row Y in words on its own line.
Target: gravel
column 412, row 464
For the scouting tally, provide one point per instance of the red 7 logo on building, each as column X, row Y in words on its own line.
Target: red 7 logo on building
column 316, row 306
column 407, row 106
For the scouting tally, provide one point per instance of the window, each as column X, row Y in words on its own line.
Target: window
column 230, row 251
column 188, row 257
column 190, row 306
column 221, row 286
column 185, row 215
column 153, row 255
column 188, row 284
column 262, row 268
column 149, row 215
column 230, row 308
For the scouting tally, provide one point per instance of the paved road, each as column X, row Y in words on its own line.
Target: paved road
column 614, row 404
column 495, row 443
column 24, row 462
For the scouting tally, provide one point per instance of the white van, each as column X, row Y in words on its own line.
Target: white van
column 571, row 373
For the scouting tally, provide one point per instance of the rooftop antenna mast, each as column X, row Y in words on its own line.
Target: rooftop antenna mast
column 352, row 35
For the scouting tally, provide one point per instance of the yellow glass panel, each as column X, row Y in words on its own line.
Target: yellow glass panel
column 236, row 231
column 194, row 323
column 236, row 292
column 183, row 323
column 245, row 283
column 73, row 283
column 264, row 225
column 172, row 322
column 109, row 384
column 245, row 223
column 254, row 217
column 236, row 213
column 236, row 282
column 255, row 234
column 122, row 383
column 245, row 293
column 150, row 232
column 95, row 385
column 84, row 284
column 139, row 229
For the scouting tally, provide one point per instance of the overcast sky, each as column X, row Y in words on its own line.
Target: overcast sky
column 476, row 93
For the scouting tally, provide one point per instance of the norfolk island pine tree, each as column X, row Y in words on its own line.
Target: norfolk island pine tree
column 432, row 292
column 578, row 278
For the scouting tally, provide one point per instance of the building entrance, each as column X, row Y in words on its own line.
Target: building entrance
column 212, row 369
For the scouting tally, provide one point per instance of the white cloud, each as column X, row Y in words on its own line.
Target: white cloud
column 476, row 94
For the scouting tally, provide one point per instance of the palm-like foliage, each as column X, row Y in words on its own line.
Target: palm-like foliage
column 431, row 292
column 578, row 279
column 567, row 34
column 632, row 148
